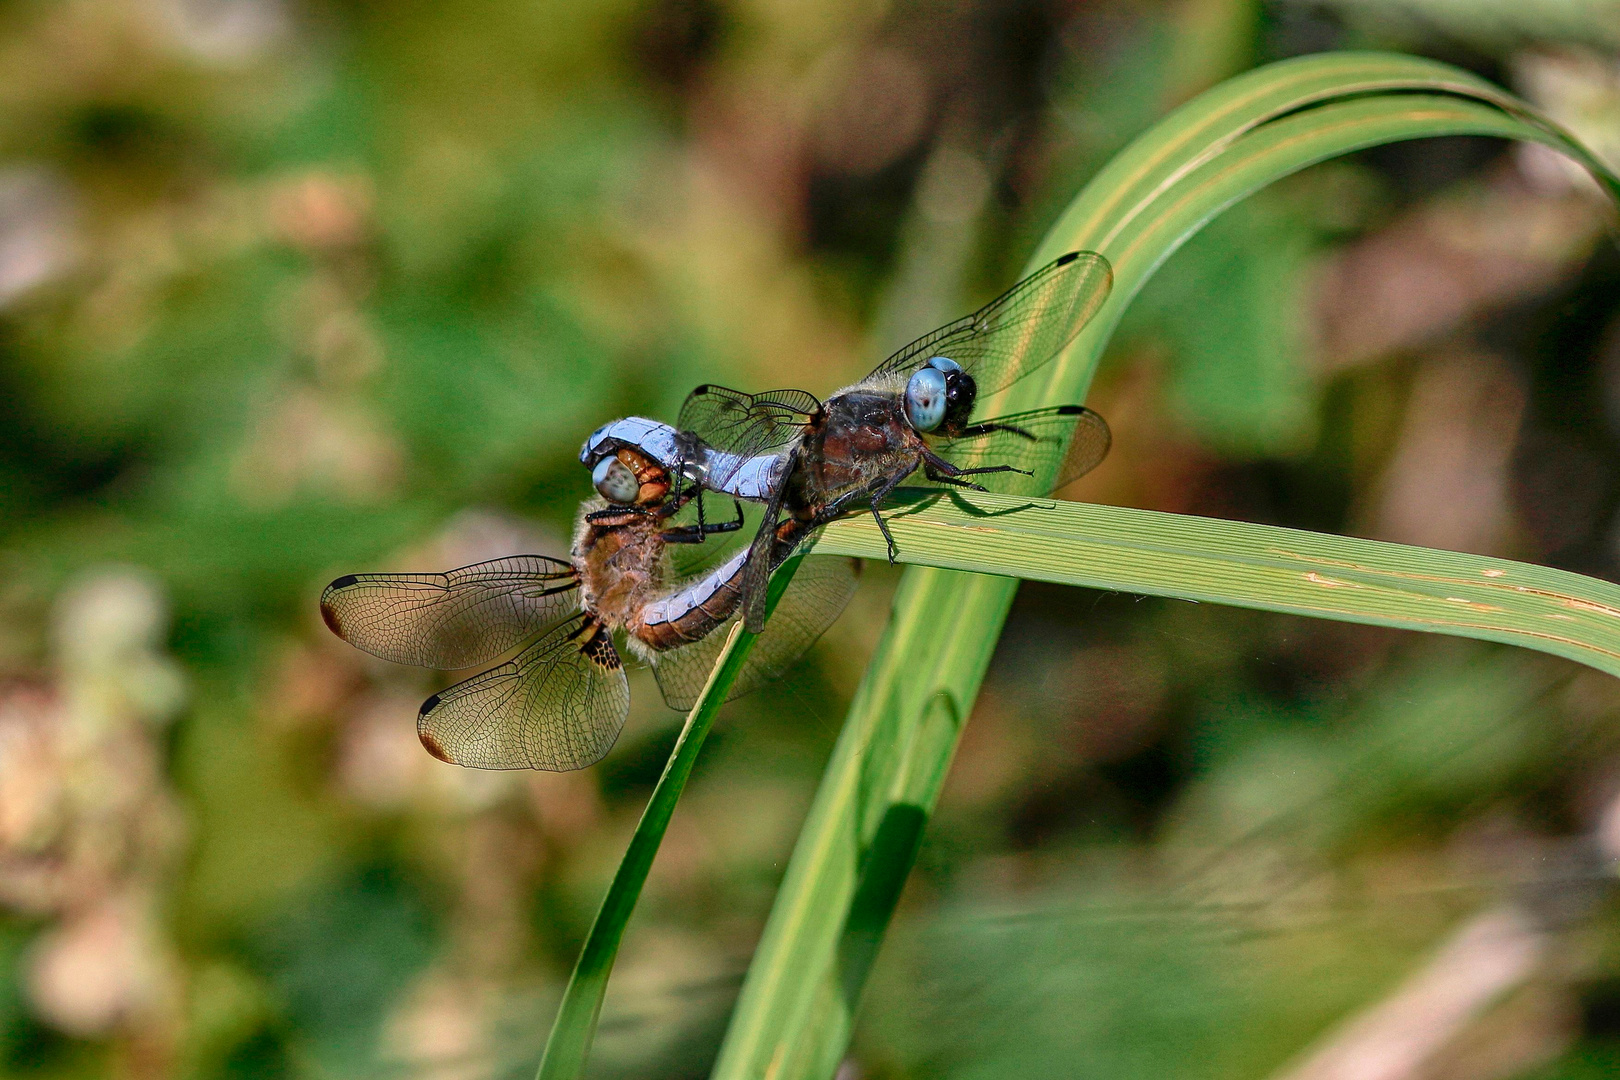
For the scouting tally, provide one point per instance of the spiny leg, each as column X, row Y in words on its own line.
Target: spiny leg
column 696, row 534
column 938, row 464
column 702, row 527
column 606, row 513
column 722, row 526
column 677, row 500
column 939, row 477
column 977, row 430
column 840, row 506
column 877, row 500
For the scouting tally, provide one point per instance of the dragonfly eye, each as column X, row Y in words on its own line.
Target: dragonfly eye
column 945, row 364
column 925, row 397
column 615, row 482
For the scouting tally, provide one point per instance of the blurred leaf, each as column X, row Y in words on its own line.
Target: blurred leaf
column 1262, row 913
column 14, row 1018
column 1499, row 22
column 341, row 959
column 1233, row 312
column 479, row 397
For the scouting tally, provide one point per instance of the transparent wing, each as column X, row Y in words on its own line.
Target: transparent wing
column 558, row 705
column 1035, row 442
column 1017, row 332
column 765, row 553
column 454, row 620
column 818, row 594
column 745, row 425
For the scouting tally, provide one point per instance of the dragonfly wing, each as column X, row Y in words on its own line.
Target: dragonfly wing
column 558, row 705
column 745, row 426
column 820, row 590
column 1035, row 442
column 1087, row 448
column 453, row 620
column 814, row 599
column 1016, row 333
column 764, row 555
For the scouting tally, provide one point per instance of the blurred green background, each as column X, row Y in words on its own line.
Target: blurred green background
column 291, row 288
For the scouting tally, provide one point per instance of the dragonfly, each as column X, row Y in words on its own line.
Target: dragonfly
column 560, row 703
column 817, row 460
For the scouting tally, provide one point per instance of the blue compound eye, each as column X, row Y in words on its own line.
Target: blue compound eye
column 925, row 398
column 614, row 481
column 945, row 364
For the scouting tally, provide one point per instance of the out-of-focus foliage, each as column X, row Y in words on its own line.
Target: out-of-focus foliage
column 292, row 290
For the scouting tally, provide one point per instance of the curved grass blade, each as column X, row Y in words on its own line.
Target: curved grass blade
column 569, row 1043
column 1344, row 578
column 794, row 1015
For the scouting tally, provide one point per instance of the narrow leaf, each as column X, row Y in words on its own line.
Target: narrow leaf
column 1254, row 566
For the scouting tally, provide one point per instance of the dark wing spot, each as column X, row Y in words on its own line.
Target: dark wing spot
column 703, row 389
column 599, row 650
column 429, row 743
column 1065, row 260
column 328, row 613
column 1070, row 410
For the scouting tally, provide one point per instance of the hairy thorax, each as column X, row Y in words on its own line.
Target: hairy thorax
column 620, row 563
column 861, row 441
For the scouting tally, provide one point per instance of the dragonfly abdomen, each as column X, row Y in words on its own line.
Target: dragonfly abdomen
column 692, row 612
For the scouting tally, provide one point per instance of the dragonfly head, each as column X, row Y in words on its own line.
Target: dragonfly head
column 628, row 477
column 940, row 397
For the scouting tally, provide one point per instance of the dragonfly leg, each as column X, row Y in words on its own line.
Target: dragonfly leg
column 873, row 497
column 696, row 534
column 677, row 500
column 877, row 500
column 696, row 492
column 611, row 512
column 724, row 526
column 933, row 463
column 941, row 478
column 837, row 508
column 974, row 431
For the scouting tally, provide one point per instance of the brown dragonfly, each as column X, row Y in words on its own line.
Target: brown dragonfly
column 561, row 701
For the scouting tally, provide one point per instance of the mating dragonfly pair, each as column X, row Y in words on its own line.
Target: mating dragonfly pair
column 560, row 702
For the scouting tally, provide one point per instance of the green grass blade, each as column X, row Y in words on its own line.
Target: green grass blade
column 1255, row 566
column 1206, row 127
column 569, row 1044
column 794, row 1015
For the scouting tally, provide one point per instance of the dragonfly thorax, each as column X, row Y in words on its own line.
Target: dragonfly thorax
column 620, row 563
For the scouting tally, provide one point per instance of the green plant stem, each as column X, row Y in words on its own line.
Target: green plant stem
column 569, row 1043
